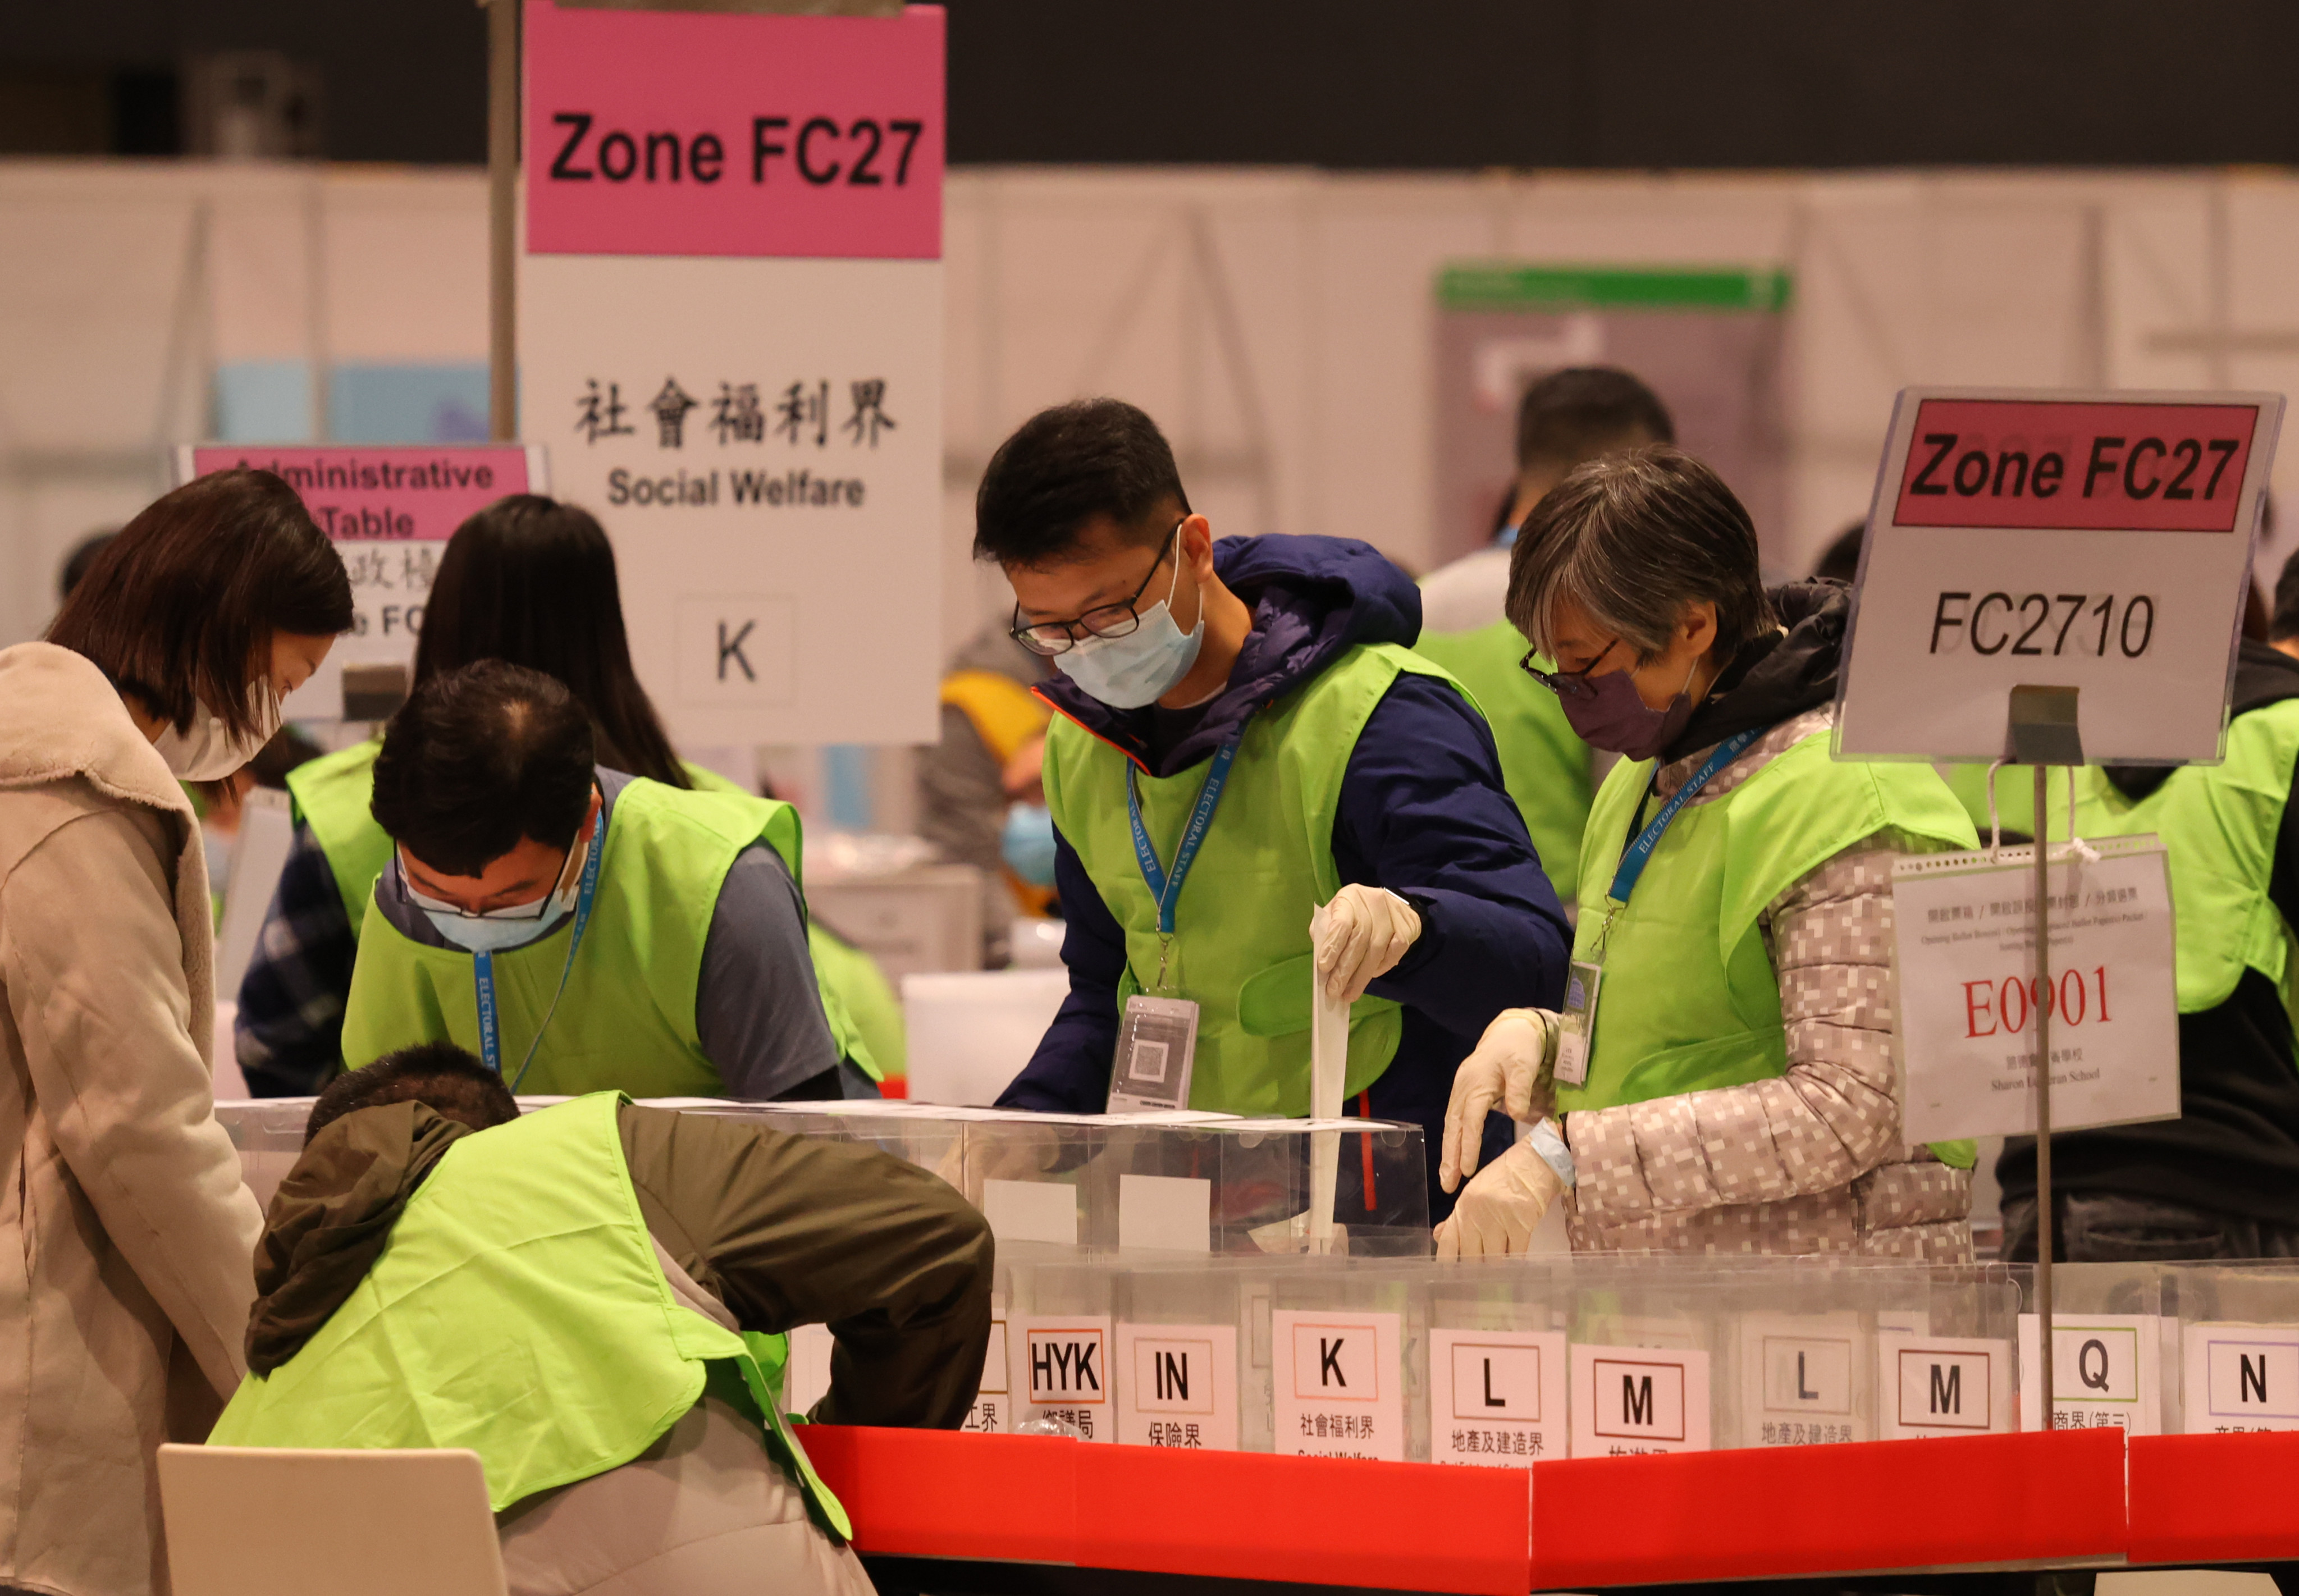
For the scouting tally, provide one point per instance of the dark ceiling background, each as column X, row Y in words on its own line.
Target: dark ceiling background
column 1341, row 83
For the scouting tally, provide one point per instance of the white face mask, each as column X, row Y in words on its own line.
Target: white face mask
column 493, row 930
column 209, row 751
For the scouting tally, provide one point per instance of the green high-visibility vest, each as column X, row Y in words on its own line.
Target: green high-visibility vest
column 1690, row 1000
column 2219, row 824
column 334, row 796
column 1546, row 766
column 518, row 1309
column 627, row 1020
column 1241, row 948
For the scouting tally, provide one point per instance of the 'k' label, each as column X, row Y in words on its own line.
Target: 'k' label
column 1627, row 1401
column 1177, row 1386
column 1338, row 1380
column 1496, row 1397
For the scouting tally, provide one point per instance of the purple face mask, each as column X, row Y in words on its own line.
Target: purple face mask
column 1607, row 713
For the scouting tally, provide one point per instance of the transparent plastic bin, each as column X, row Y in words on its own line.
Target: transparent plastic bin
column 1197, row 1183
column 268, row 1133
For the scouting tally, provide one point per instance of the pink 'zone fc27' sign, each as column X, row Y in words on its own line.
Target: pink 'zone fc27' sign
column 690, row 133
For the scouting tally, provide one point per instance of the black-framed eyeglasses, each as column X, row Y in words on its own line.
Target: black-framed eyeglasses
column 1565, row 684
column 1120, row 619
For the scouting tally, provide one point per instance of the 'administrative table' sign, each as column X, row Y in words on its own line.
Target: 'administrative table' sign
column 389, row 509
column 2100, row 542
column 730, row 327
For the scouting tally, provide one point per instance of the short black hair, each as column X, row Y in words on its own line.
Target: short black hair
column 1840, row 560
column 2284, row 624
column 1065, row 466
column 477, row 759
column 452, row 1083
column 1582, row 411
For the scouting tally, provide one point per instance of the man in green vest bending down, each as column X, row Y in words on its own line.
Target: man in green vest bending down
column 592, row 1298
column 580, row 929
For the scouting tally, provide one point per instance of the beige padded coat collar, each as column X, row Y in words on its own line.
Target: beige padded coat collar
column 61, row 718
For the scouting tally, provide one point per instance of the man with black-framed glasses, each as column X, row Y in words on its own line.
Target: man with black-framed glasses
column 1242, row 737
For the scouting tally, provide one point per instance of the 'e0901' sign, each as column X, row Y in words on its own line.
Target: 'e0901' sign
column 692, row 133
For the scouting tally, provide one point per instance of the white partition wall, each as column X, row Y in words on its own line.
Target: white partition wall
column 1278, row 322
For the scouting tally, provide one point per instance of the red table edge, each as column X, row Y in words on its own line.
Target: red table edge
column 1027, row 1499
column 2196, row 1499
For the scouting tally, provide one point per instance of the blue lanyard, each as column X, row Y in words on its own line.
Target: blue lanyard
column 1167, row 888
column 482, row 969
column 1638, row 854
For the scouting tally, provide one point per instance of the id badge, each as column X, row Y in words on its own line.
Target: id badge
column 1157, row 1045
column 1576, row 1023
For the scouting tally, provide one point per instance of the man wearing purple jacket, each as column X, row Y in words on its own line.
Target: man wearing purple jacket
column 1241, row 738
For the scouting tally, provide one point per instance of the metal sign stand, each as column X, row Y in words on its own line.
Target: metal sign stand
column 2044, row 734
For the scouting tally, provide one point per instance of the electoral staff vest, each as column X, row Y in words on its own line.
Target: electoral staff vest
column 334, row 795
column 1690, row 1000
column 1545, row 765
column 1241, row 948
column 519, row 1309
column 626, row 1021
column 2219, row 824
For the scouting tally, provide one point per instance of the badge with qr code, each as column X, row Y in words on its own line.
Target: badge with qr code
column 1577, row 1022
column 1157, row 1045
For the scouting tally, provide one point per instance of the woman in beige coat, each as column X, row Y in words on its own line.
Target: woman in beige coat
column 126, row 1236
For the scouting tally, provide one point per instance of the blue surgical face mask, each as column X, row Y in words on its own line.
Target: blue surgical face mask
column 494, row 930
column 1028, row 845
column 1142, row 666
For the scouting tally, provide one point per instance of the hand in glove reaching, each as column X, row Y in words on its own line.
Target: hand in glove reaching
column 1512, row 1070
column 1364, row 932
column 1497, row 1214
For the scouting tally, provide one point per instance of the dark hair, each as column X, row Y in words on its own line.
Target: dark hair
column 1065, row 466
column 1582, row 411
column 454, row 1084
column 83, row 555
column 531, row 580
column 1632, row 538
column 1840, row 560
column 178, row 608
column 479, row 758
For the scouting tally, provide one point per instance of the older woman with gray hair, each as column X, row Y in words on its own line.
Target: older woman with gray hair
column 1722, row 1069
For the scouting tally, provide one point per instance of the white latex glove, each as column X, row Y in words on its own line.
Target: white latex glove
column 1366, row 931
column 1497, row 1214
column 1512, row 1070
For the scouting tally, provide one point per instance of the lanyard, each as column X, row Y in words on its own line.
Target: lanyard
column 482, row 969
column 1167, row 888
column 1638, row 854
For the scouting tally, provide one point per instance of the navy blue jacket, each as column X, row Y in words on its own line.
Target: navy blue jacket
column 1423, row 813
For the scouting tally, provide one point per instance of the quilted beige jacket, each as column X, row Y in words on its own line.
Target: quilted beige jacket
column 1811, row 1160
column 126, row 1235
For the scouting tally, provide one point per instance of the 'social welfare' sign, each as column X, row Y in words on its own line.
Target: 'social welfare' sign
column 389, row 509
column 2100, row 542
column 730, row 329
